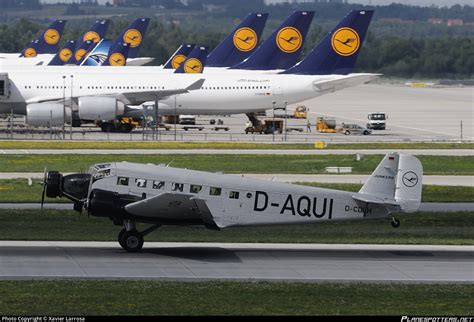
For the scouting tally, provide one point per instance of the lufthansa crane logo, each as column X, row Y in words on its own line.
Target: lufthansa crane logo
column 117, row 59
column 91, row 36
column 133, row 37
column 79, row 54
column 289, row 40
column 245, row 39
column 193, row 66
column 30, row 52
column 345, row 41
column 410, row 179
column 65, row 54
column 51, row 36
column 177, row 61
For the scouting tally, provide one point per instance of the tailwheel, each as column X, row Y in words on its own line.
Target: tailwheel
column 395, row 222
column 131, row 241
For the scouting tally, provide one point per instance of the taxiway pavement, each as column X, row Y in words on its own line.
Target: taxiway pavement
column 223, row 261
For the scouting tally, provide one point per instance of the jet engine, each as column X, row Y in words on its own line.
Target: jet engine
column 45, row 114
column 100, row 108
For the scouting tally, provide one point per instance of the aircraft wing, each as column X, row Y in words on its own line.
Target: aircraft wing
column 343, row 82
column 132, row 98
column 175, row 206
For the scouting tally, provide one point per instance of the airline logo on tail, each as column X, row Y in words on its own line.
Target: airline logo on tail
column 92, row 36
column 65, row 54
column 410, row 179
column 117, row 59
column 289, row 40
column 177, row 60
column 51, row 36
column 30, row 52
column 193, row 66
column 245, row 39
column 345, row 41
column 133, row 37
column 79, row 54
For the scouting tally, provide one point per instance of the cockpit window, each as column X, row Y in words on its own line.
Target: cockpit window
column 122, row 181
column 141, row 183
column 100, row 171
column 158, row 184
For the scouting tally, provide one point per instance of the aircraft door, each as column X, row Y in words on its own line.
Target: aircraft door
column 4, row 86
column 232, row 204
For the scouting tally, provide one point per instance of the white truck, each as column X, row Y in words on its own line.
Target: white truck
column 377, row 121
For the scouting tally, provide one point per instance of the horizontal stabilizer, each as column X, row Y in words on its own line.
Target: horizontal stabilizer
column 343, row 82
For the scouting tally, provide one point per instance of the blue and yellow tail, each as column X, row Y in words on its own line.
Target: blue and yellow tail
column 133, row 35
column 179, row 56
column 95, row 33
column 64, row 55
column 118, row 56
column 195, row 61
column 282, row 49
column 240, row 43
column 47, row 43
column 337, row 52
column 81, row 53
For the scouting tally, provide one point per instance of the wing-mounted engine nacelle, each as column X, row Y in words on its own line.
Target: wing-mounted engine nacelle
column 103, row 203
column 46, row 114
column 99, row 108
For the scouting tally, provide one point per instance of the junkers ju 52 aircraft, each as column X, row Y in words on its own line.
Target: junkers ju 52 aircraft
column 129, row 193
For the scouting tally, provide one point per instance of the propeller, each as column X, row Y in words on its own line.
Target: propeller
column 44, row 184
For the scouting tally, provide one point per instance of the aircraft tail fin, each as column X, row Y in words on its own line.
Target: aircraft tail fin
column 282, row 49
column 179, row 56
column 95, row 33
column 195, row 62
column 396, row 182
column 240, row 43
column 64, row 54
column 118, row 56
column 133, row 35
column 337, row 52
column 47, row 43
column 82, row 52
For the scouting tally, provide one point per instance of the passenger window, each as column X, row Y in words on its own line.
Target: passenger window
column 178, row 187
column 214, row 191
column 233, row 194
column 141, row 183
column 122, row 181
column 194, row 188
column 158, row 184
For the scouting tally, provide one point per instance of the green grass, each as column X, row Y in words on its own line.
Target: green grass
column 16, row 144
column 244, row 163
column 65, row 297
column 18, row 190
column 417, row 228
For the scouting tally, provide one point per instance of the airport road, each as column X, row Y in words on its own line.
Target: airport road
column 448, row 152
column 325, row 178
column 425, row 206
column 238, row 262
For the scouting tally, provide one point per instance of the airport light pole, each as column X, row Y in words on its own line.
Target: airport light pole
column 64, row 107
column 286, row 117
column 273, row 125
column 70, row 126
column 174, row 118
column 156, row 116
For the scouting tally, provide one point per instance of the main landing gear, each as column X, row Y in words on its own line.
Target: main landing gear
column 395, row 222
column 130, row 238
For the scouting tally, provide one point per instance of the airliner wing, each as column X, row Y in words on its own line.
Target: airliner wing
column 342, row 82
column 137, row 98
column 132, row 98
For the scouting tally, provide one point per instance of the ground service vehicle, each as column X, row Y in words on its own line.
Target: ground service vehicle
column 267, row 126
column 300, row 112
column 326, row 124
column 123, row 125
column 376, row 121
column 354, row 129
column 187, row 119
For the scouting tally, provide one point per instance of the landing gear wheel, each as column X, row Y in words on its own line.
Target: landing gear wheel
column 132, row 241
column 395, row 223
column 120, row 237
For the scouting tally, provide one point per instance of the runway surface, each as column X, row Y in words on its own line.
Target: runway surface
column 325, row 178
column 448, row 152
column 216, row 261
column 425, row 206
